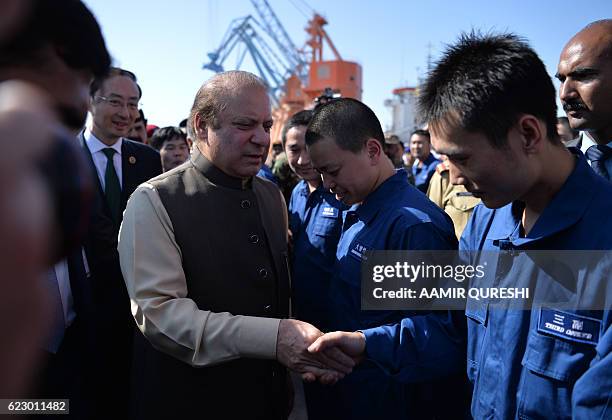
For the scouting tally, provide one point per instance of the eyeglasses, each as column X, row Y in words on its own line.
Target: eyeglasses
column 118, row 103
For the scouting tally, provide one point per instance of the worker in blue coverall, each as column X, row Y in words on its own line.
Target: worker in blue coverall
column 345, row 142
column 425, row 162
column 315, row 222
column 491, row 109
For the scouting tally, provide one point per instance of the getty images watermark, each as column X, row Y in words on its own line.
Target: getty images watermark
column 459, row 273
column 448, row 280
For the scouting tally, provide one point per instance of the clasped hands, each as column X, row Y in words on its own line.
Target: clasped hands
column 327, row 358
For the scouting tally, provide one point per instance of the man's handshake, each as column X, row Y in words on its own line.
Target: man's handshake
column 316, row 356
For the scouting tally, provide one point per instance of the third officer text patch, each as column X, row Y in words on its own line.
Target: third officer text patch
column 573, row 327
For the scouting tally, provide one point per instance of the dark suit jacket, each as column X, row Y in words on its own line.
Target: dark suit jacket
column 139, row 164
column 113, row 322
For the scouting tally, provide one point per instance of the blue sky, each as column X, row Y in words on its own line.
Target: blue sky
column 165, row 42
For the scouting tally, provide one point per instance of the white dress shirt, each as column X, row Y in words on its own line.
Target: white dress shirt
column 95, row 147
column 63, row 282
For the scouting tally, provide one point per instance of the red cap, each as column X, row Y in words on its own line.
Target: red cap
column 151, row 128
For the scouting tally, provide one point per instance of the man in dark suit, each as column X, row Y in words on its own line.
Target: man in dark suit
column 119, row 166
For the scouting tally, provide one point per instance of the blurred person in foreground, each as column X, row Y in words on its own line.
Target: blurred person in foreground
column 55, row 52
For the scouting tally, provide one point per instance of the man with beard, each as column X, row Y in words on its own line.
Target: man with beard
column 585, row 73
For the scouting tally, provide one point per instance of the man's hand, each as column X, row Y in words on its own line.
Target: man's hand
column 346, row 343
column 294, row 337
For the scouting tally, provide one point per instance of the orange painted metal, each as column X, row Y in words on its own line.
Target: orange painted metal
column 343, row 77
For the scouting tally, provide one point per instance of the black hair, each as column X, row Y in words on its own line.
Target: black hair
column 421, row 132
column 183, row 123
column 99, row 80
column 165, row 134
column 483, row 83
column 141, row 117
column 66, row 25
column 298, row 119
column 349, row 122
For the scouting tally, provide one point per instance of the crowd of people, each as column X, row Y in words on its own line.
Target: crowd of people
column 184, row 271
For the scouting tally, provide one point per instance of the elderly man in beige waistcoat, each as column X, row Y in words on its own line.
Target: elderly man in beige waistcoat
column 204, row 255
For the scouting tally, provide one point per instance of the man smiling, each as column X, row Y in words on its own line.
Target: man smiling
column 119, row 166
column 346, row 145
column 315, row 221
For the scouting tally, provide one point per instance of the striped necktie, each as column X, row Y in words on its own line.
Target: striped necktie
column 598, row 154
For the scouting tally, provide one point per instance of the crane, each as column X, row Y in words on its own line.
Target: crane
column 278, row 33
column 295, row 76
column 271, row 67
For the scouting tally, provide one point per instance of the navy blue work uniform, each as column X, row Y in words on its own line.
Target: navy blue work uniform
column 266, row 173
column 315, row 220
column 395, row 216
column 519, row 364
column 423, row 174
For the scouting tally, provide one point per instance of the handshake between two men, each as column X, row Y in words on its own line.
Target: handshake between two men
column 327, row 358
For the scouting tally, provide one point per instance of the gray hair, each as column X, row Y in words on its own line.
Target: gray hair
column 212, row 98
column 191, row 135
